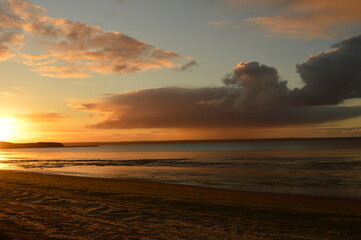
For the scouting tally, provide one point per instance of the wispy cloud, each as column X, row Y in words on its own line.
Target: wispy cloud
column 253, row 95
column 188, row 66
column 57, row 47
column 42, row 116
column 224, row 24
column 7, row 94
column 306, row 19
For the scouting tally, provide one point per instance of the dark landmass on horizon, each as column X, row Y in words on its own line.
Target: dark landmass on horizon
column 348, row 139
column 8, row 145
column 353, row 141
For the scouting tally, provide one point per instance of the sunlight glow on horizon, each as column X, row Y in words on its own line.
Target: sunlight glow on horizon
column 9, row 129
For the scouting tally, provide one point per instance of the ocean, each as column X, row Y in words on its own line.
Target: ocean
column 329, row 167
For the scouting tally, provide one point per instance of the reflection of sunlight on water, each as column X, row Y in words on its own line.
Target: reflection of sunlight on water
column 6, row 156
column 4, row 166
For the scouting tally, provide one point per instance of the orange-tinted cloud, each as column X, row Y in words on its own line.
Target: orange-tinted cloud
column 253, row 96
column 42, row 116
column 10, row 35
column 306, row 19
column 64, row 48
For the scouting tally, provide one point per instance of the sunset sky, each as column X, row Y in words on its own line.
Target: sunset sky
column 125, row 70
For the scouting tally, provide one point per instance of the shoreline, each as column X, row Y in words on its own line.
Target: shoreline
column 64, row 207
column 203, row 187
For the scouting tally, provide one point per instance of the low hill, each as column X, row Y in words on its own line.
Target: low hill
column 7, row 145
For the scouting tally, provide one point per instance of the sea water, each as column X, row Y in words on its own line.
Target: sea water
column 312, row 167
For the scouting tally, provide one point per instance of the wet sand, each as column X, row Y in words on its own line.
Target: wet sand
column 38, row 206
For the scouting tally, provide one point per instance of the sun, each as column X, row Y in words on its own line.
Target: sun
column 7, row 129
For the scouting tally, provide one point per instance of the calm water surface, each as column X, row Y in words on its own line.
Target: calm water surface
column 326, row 168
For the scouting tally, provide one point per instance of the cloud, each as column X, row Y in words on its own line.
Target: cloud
column 42, row 116
column 7, row 94
column 10, row 34
column 224, row 24
column 196, row 108
column 253, row 95
column 57, row 47
column 307, row 19
column 188, row 66
column 258, row 86
column 333, row 76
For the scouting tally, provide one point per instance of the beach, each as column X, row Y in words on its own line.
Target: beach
column 41, row 206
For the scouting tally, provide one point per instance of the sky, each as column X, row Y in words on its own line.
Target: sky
column 142, row 70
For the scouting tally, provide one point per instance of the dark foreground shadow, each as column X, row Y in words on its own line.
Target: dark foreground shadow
column 4, row 237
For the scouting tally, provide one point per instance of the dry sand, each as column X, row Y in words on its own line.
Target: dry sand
column 37, row 206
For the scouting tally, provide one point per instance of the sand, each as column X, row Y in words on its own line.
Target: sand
column 38, row 206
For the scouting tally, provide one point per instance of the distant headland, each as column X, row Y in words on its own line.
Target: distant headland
column 8, row 145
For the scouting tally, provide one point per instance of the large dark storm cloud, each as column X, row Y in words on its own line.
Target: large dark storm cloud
column 252, row 96
column 332, row 77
